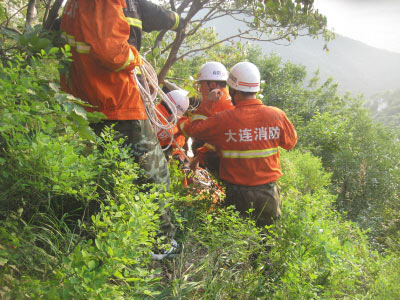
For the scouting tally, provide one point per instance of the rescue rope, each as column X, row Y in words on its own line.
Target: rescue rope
column 147, row 81
column 149, row 89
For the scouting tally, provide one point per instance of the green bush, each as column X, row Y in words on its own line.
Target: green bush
column 312, row 253
column 77, row 222
column 43, row 161
column 317, row 254
column 106, row 258
column 74, row 224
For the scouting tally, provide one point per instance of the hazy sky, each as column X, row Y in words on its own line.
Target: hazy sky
column 374, row 22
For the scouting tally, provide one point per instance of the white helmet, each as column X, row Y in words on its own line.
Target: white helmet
column 245, row 77
column 181, row 101
column 212, row 71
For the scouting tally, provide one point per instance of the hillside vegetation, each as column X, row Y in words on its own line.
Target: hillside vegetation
column 385, row 108
column 77, row 221
column 77, row 224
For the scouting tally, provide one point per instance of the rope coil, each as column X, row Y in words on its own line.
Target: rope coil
column 147, row 81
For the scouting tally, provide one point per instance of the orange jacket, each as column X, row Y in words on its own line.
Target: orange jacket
column 100, row 73
column 211, row 108
column 163, row 136
column 247, row 140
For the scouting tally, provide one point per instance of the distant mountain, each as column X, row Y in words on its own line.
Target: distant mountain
column 355, row 66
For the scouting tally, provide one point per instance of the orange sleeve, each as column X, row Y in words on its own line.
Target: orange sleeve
column 107, row 31
column 181, row 125
column 205, row 108
column 224, row 103
column 289, row 137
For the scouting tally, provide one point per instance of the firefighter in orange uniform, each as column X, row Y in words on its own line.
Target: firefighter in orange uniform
column 247, row 140
column 212, row 75
column 179, row 98
column 105, row 39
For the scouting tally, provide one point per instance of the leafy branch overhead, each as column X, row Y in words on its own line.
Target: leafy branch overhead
column 270, row 21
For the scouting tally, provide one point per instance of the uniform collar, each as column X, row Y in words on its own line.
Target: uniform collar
column 248, row 102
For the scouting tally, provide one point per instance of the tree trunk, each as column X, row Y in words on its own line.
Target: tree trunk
column 172, row 56
column 53, row 14
column 46, row 13
column 180, row 36
column 31, row 15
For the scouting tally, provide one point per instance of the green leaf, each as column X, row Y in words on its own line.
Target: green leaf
column 55, row 87
column 3, row 261
column 118, row 274
column 91, row 264
column 95, row 117
column 86, row 133
column 53, row 50
column 11, row 33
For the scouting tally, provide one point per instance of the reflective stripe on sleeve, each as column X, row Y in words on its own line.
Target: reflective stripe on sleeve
column 198, row 117
column 134, row 22
column 138, row 70
column 177, row 19
column 82, row 47
column 130, row 58
column 71, row 40
column 249, row 153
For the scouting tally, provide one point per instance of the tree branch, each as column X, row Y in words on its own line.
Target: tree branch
column 53, row 14
column 31, row 15
column 46, row 13
column 8, row 19
column 282, row 22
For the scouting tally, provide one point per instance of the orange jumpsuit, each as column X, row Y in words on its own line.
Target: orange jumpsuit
column 206, row 152
column 98, row 33
column 105, row 37
column 247, row 140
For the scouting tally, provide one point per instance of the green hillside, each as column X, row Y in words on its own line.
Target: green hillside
column 77, row 220
column 75, row 225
